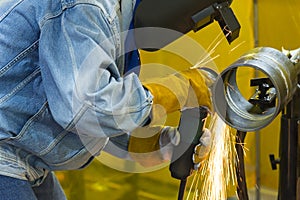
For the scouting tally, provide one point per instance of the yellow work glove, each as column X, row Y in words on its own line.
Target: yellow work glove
column 151, row 146
column 186, row 89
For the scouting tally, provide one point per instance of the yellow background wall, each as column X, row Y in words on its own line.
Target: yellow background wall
column 278, row 25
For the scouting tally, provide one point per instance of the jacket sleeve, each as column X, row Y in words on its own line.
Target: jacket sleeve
column 79, row 52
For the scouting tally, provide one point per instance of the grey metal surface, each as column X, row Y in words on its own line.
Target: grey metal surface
column 229, row 102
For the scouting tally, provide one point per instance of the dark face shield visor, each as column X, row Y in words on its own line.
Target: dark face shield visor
column 180, row 17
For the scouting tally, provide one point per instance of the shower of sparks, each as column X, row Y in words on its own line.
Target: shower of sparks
column 218, row 172
column 203, row 63
column 211, row 49
column 237, row 46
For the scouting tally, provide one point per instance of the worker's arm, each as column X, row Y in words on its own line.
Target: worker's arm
column 80, row 60
column 83, row 83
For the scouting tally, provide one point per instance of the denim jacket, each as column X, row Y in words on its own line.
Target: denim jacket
column 63, row 93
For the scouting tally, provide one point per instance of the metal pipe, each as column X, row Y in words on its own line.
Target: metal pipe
column 257, row 134
column 234, row 109
column 283, row 78
column 255, row 25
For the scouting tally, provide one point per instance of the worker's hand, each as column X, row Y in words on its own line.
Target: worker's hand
column 202, row 149
column 150, row 146
column 178, row 91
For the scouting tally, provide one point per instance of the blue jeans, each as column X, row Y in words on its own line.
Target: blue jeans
column 17, row 189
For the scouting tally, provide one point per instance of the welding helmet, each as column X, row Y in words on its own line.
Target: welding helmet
column 180, row 16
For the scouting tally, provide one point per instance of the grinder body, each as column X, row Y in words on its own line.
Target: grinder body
column 191, row 127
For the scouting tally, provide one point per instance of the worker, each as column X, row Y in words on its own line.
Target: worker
column 64, row 94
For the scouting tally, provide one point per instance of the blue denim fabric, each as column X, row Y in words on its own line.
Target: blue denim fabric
column 62, row 91
column 50, row 189
column 17, row 189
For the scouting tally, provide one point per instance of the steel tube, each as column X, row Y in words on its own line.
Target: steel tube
column 230, row 104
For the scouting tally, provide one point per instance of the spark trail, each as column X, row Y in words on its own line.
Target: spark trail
column 211, row 49
column 218, row 172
